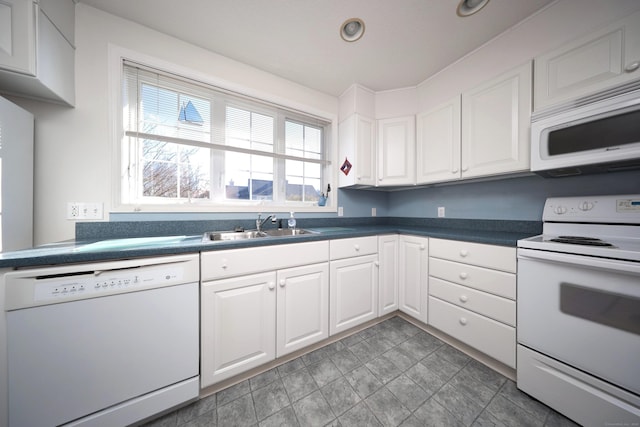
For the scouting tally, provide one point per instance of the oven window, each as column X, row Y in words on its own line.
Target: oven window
column 611, row 131
column 615, row 310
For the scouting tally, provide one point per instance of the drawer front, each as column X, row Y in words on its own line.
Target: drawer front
column 357, row 246
column 497, row 308
column 490, row 256
column 493, row 281
column 490, row 337
column 237, row 262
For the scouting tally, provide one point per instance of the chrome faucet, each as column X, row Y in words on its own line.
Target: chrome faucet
column 260, row 222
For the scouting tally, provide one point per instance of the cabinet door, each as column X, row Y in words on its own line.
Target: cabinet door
column 495, row 125
column 353, row 292
column 388, row 274
column 438, row 143
column 590, row 64
column 238, row 325
column 358, row 146
column 396, row 151
column 302, row 307
column 17, row 36
column 413, row 276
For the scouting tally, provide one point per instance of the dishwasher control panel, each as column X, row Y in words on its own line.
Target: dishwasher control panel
column 52, row 285
column 104, row 283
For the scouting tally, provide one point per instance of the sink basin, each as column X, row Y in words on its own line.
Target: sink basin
column 216, row 236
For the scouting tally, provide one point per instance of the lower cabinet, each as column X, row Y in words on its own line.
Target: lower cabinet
column 413, row 276
column 353, row 282
column 387, row 274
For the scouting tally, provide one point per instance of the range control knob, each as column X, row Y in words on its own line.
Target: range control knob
column 560, row 210
column 585, row 206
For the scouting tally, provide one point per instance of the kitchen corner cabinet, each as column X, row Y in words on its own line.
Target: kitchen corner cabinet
column 37, row 57
column 396, row 151
column 387, row 274
column 495, row 125
column 357, row 145
column 589, row 64
column 413, row 264
column 252, row 312
column 438, row 143
column 353, row 282
column 472, row 292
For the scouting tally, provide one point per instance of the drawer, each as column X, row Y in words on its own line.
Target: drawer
column 356, row 246
column 493, row 338
column 484, row 279
column 238, row 262
column 490, row 256
column 497, row 308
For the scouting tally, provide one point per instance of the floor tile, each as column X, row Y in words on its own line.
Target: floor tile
column 299, row 384
column 425, row 378
column 387, row 408
column 383, row 368
column 313, row 410
column 239, row 413
column 324, row 372
column 407, row 392
column 359, row 416
column 486, row 375
column 440, row 366
column 533, row 407
column 363, row 351
column 233, row 392
column 431, row 413
column 460, row 405
column 270, row 399
column 345, row 361
column 363, row 381
column 284, row 418
column 208, row 419
column 472, row 387
column 340, row 396
column 264, row 378
column 291, row 367
column 315, row 356
column 400, row 358
column 452, row 355
column 198, row 408
column 511, row 414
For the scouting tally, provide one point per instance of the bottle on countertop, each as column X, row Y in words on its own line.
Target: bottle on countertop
column 292, row 221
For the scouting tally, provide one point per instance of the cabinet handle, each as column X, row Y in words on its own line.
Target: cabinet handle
column 630, row 68
column 463, row 298
column 463, row 321
column 224, row 264
column 463, row 275
column 465, row 168
column 377, row 263
column 464, row 253
column 356, row 247
column 455, row 170
column 271, row 286
column 422, row 247
column 282, row 283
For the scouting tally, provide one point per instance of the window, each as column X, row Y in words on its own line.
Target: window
column 189, row 144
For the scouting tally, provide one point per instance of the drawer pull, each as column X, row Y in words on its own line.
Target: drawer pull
column 282, row 283
column 356, row 247
column 422, row 247
column 377, row 263
column 632, row 66
column 224, row 264
column 463, row 321
column 463, row 275
column 463, row 298
column 464, row 253
column 271, row 286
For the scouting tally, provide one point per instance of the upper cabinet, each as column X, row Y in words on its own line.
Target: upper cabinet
column 357, row 151
column 593, row 63
column 495, row 125
column 396, row 151
column 483, row 132
column 37, row 55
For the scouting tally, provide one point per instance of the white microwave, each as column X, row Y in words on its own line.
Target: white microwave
column 602, row 136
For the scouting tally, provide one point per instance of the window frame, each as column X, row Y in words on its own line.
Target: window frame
column 121, row 190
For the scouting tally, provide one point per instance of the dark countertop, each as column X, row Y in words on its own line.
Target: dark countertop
column 122, row 240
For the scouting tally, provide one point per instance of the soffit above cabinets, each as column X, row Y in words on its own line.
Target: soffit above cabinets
column 404, row 43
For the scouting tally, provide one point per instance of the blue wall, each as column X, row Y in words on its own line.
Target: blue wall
column 507, row 198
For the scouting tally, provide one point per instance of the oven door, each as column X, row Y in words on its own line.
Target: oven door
column 583, row 311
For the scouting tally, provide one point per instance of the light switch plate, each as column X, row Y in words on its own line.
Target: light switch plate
column 441, row 212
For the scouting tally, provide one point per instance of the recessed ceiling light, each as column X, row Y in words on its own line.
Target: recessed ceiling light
column 469, row 7
column 352, row 29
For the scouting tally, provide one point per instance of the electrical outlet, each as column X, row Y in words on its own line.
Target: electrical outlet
column 441, row 212
column 340, row 211
column 83, row 210
column 373, row 212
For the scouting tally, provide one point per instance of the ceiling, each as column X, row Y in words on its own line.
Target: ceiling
column 405, row 41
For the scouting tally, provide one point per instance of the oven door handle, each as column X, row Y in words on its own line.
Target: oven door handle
column 584, row 261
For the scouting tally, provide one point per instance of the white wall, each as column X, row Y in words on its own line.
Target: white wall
column 73, row 159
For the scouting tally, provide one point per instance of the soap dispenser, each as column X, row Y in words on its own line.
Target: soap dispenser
column 292, row 221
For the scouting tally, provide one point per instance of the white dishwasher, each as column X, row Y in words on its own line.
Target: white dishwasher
column 102, row 344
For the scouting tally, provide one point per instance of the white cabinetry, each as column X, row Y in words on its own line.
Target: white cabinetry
column 472, row 291
column 388, row 274
column 413, row 276
column 358, row 147
column 484, row 132
column 438, row 143
column 396, row 151
column 260, row 303
column 593, row 63
column 353, row 282
column 36, row 49
column 495, row 125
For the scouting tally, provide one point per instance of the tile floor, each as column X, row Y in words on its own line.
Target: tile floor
column 391, row 374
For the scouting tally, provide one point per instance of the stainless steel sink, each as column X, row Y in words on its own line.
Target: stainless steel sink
column 216, row 236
